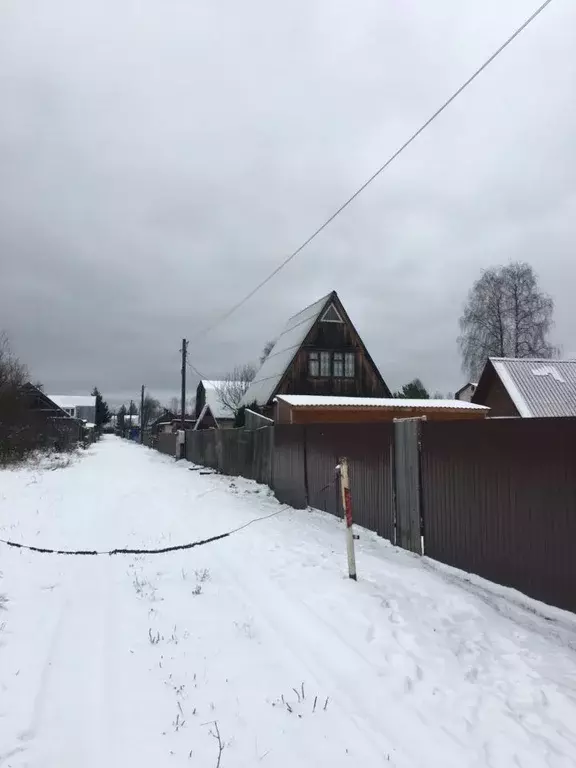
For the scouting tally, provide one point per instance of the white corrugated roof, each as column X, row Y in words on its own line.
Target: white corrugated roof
column 72, row 401
column 282, row 353
column 318, row 401
column 213, row 388
column 539, row 387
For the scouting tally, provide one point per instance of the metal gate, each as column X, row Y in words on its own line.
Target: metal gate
column 407, row 484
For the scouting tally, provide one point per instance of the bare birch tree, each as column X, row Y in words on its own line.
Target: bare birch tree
column 234, row 386
column 506, row 315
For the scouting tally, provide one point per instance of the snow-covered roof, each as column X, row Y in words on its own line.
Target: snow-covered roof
column 73, row 401
column 213, row 389
column 539, row 387
column 133, row 419
column 321, row 401
column 203, row 413
column 282, row 353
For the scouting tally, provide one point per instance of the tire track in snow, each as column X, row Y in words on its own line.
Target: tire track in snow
column 67, row 727
column 303, row 647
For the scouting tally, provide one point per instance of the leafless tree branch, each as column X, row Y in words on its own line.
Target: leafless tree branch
column 234, row 386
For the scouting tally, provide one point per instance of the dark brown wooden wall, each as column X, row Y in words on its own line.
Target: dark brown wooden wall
column 498, row 399
column 333, row 337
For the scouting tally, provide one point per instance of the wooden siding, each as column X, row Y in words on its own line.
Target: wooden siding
column 494, row 394
column 334, row 337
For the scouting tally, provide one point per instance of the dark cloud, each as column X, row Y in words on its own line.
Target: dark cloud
column 159, row 159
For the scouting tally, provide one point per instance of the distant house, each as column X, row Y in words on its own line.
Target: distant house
column 319, row 352
column 78, row 406
column 172, row 422
column 528, row 388
column 208, row 393
column 161, row 422
column 54, row 423
column 466, row 393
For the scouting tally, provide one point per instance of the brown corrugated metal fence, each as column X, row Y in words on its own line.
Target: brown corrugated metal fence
column 243, row 452
column 368, row 450
column 289, row 465
column 498, row 497
column 499, row 500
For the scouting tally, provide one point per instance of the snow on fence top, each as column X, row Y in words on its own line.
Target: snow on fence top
column 321, row 401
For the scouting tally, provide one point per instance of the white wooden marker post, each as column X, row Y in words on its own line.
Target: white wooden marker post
column 347, row 506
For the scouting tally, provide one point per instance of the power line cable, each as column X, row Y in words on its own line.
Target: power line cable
column 377, row 173
column 196, row 371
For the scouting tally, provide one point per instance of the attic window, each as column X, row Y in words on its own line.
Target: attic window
column 331, row 315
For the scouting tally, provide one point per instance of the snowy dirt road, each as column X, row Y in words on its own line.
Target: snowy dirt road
column 258, row 638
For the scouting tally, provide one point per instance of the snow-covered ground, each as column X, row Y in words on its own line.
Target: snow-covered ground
column 260, row 637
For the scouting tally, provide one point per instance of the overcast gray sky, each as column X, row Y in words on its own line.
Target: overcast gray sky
column 160, row 157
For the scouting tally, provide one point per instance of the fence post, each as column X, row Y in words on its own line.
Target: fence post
column 347, row 506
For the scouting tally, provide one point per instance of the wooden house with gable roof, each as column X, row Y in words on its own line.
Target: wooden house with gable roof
column 319, row 352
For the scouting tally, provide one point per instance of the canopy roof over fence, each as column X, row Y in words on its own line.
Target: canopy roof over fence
column 319, row 401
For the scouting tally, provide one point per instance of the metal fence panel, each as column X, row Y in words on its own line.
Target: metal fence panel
column 407, row 484
column 499, row 500
column 263, row 455
column 238, row 452
column 289, row 465
column 167, row 443
column 368, row 449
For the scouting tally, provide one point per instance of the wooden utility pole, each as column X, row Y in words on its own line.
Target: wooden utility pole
column 142, row 414
column 347, row 507
column 184, row 351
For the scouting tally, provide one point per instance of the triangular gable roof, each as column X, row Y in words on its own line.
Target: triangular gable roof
column 212, row 391
column 207, row 416
column 50, row 405
column 538, row 387
column 283, row 352
column 273, row 369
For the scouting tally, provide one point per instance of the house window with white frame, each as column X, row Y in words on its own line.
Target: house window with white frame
column 313, row 364
column 325, row 364
column 338, row 365
column 349, row 365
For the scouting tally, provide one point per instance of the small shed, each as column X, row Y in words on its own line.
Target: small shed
column 316, row 409
column 528, row 388
column 214, row 394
